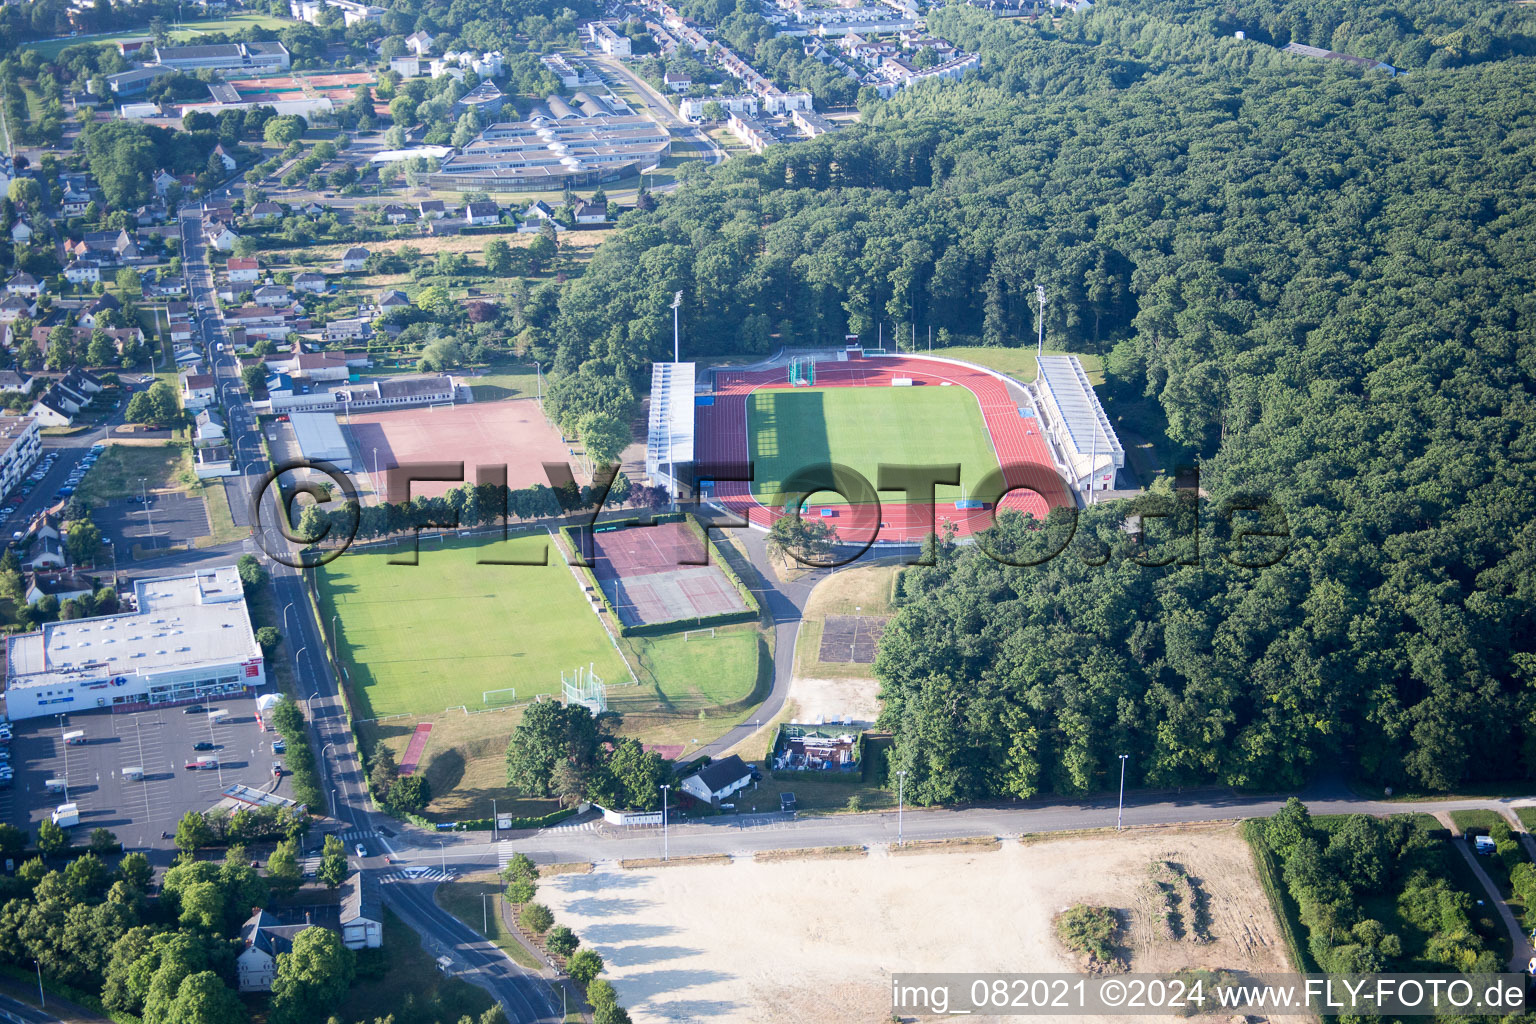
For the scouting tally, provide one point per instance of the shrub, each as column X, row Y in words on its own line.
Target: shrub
column 1089, row 930
column 561, row 941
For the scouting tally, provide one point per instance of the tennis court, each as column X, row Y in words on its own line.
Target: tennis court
column 652, row 575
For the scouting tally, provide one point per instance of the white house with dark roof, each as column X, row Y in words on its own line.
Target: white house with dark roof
column 309, row 281
column 263, row 938
column 23, row 284
column 482, row 213
column 353, row 259
column 718, row 780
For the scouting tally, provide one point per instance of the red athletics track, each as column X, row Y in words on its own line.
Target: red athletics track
column 721, row 437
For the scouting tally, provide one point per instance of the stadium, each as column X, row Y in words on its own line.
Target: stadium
column 862, row 410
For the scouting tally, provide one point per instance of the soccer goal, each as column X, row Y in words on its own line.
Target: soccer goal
column 708, row 633
column 496, row 698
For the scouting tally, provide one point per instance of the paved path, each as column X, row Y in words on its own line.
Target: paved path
column 1519, row 944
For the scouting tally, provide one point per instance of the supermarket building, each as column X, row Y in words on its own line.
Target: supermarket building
column 188, row 638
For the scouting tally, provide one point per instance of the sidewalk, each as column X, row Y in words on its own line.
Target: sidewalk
column 557, row 979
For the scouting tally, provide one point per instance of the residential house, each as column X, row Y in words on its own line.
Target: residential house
column 46, row 551
column 324, row 366
column 264, row 211
column 348, row 329
column 24, row 285
column 13, row 380
column 75, row 201
column 244, row 269
column 62, row 586
column 213, row 461
column 482, row 213
column 313, row 209
column 14, row 307
column 591, row 213
column 197, row 391
column 394, row 213
column 718, row 780
column 309, row 281
column 82, row 272
column 431, row 209
column 391, row 298
column 353, row 259
column 677, row 82
column 270, row 295
column 224, row 157
column 54, row 409
column 538, row 211
column 90, row 313
column 21, row 231
column 362, row 917
column 263, row 939
column 209, row 429
column 221, row 236
column 419, row 43
column 163, row 181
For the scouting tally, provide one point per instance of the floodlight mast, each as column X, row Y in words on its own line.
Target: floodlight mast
column 677, row 301
column 1040, row 294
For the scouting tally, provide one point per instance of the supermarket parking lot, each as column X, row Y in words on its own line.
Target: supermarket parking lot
column 158, row 741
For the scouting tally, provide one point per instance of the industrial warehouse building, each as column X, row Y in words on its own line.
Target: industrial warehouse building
column 320, row 439
column 188, row 638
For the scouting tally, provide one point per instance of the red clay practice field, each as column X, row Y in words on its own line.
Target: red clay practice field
column 721, row 430
column 644, row 571
column 514, row 434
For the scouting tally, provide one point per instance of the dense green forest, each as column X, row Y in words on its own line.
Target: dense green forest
column 1317, row 279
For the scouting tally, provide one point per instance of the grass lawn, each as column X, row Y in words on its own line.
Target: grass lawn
column 1018, row 363
column 1527, row 816
column 703, row 671
column 465, row 763
column 401, row 979
column 476, row 900
column 51, row 48
column 421, row 638
column 117, row 474
column 1483, row 819
column 858, row 427
column 505, row 380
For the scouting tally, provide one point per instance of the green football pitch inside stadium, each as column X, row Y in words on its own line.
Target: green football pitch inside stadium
column 861, row 427
column 417, row 639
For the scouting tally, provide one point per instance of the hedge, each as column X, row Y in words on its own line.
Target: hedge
column 486, row 824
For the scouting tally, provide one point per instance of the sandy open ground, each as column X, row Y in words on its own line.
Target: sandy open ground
column 509, row 433
column 817, row 940
column 830, row 700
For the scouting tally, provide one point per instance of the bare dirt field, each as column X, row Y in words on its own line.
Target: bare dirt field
column 512, row 434
column 827, row 700
column 818, row 940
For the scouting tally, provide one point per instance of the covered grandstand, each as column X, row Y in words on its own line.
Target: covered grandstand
column 669, row 441
column 1078, row 425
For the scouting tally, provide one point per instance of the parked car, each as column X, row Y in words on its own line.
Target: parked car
column 194, row 709
column 204, row 745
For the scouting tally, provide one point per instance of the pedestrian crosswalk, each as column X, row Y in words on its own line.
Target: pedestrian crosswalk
column 420, row 874
column 581, row 826
column 357, row 835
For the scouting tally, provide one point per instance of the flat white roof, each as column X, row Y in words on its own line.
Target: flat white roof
column 1081, row 413
column 181, row 622
column 319, row 436
column 670, row 438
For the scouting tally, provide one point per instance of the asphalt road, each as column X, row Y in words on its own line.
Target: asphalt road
column 524, row 994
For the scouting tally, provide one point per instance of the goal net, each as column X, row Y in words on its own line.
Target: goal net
column 495, row 698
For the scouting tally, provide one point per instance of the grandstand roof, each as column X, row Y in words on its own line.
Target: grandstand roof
column 670, row 438
column 1081, row 413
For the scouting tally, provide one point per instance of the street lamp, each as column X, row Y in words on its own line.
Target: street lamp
column 308, row 709
column 1120, row 818
column 296, row 655
column 901, row 794
column 286, row 609
column 664, row 848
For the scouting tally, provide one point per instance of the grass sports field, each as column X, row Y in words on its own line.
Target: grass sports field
column 421, row 638
column 861, row 427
